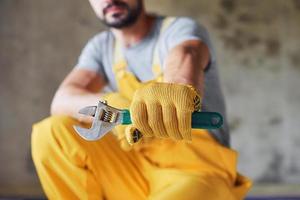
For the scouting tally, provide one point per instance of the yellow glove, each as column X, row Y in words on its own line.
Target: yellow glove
column 119, row 101
column 163, row 110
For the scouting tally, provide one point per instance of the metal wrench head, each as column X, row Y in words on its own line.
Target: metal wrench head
column 105, row 119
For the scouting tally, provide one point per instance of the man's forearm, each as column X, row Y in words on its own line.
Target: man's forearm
column 79, row 89
column 68, row 100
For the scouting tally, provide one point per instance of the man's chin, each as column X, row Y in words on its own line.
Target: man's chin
column 121, row 20
column 116, row 23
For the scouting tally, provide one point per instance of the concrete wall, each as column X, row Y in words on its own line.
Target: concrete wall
column 257, row 44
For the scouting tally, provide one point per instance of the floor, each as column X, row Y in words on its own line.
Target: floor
column 258, row 192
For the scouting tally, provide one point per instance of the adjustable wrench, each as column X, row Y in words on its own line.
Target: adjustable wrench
column 107, row 117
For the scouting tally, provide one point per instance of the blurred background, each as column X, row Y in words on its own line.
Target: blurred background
column 258, row 49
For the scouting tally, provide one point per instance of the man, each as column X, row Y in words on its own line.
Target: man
column 159, row 68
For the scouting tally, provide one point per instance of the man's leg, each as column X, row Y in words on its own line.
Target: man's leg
column 202, row 169
column 72, row 168
column 182, row 185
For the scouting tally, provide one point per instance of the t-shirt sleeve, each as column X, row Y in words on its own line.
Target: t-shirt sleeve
column 91, row 55
column 183, row 29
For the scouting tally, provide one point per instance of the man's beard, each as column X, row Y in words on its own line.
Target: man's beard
column 126, row 21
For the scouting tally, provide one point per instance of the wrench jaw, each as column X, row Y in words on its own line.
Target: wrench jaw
column 105, row 119
column 87, row 134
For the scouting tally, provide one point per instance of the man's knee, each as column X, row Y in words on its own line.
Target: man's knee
column 48, row 134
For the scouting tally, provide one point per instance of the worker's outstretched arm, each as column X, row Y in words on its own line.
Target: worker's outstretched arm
column 164, row 109
column 80, row 88
column 185, row 64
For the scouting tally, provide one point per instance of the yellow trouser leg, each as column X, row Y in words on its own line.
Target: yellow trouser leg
column 182, row 185
column 202, row 169
column 72, row 168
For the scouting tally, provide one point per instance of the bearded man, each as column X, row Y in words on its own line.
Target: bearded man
column 156, row 66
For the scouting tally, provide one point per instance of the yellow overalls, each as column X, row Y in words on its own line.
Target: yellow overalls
column 159, row 169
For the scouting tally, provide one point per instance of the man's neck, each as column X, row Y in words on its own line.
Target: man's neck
column 132, row 35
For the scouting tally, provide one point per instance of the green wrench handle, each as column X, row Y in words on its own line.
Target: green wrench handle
column 200, row 120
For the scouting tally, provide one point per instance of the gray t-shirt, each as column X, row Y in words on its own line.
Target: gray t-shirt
column 97, row 56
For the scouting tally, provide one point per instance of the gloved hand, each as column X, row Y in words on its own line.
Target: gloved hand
column 117, row 100
column 163, row 110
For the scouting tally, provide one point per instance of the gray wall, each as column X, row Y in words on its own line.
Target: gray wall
column 257, row 44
